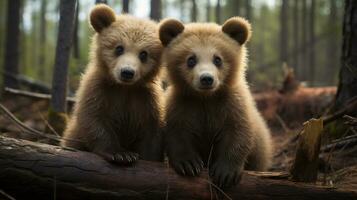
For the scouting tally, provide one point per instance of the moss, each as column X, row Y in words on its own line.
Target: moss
column 57, row 121
column 336, row 129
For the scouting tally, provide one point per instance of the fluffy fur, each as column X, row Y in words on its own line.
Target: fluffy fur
column 119, row 120
column 218, row 127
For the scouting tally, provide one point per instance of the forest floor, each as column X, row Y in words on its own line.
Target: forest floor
column 338, row 167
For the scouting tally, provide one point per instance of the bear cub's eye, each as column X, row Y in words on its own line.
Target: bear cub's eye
column 191, row 61
column 217, row 61
column 119, row 50
column 143, row 56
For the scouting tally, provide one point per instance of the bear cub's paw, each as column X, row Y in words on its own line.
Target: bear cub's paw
column 189, row 165
column 124, row 157
column 224, row 174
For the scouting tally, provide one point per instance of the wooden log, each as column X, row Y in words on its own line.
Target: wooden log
column 41, row 171
column 305, row 166
column 35, row 95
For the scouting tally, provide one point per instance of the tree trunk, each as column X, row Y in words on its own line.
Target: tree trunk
column 284, row 31
column 155, row 12
column 332, row 44
column 11, row 59
column 125, row 6
column 218, row 12
column 101, row 1
column 76, row 48
column 194, row 11
column 43, row 35
column 248, row 9
column 295, row 61
column 208, row 11
column 64, row 43
column 235, row 7
column 57, row 112
column 312, row 43
column 49, row 172
column 303, row 42
column 347, row 87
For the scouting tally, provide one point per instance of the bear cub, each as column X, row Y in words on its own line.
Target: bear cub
column 118, row 113
column 211, row 117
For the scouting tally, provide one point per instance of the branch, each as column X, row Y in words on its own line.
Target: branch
column 29, row 169
column 32, row 84
column 349, row 107
column 35, row 95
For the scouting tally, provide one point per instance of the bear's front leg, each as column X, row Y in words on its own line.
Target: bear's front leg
column 183, row 155
column 106, row 145
column 230, row 152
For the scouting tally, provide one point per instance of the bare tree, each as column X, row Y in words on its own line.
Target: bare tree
column 11, row 59
column 43, row 38
column 332, row 44
column 194, row 11
column 312, row 43
column 76, row 49
column 101, row 1
column 303, row 68
column 248, row 9
column 208, row 10
column 295, row 32
column 284, row 31
column 236, row 7
column 218, row 11
column 155, row 11
column 347, row 87
column 125, row 6
column 64, row 43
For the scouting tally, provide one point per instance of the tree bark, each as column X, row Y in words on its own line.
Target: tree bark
column 218, row 12
column 284, row 31
column 333, row 46
column 43, row 36
column 208, row 10
column 49, row 172
column 101, row 1
column 125, row 6
column 11, row 59
column 64, row 43
column 194, row 11
column 76, row 49
column 248, row 9
column 155, row 11
column 295, row 61
column 312, row 42
column 305, row 167
column 347, row 87
column 303, row 70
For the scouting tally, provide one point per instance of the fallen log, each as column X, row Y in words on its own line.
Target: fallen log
column 35, row 95
column 32, row 84
column 41, row 171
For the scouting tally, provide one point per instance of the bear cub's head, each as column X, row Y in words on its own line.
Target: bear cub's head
column 128, row 47
column 204, row 56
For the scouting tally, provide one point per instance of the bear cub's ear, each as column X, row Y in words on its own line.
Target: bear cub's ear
column 169, row 29
column 237, row 28
column 101, row 17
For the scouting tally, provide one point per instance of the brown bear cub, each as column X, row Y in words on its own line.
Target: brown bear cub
column 118, row 113
column 211, row 117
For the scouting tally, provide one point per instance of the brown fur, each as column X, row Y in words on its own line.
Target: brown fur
column 225, row 119
column 112, row 119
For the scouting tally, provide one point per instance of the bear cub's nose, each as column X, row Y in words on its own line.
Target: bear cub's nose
column 127, row 73
column 206, row 79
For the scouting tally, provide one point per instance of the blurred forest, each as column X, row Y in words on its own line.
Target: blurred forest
column 302, row 70
column 304, row 34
